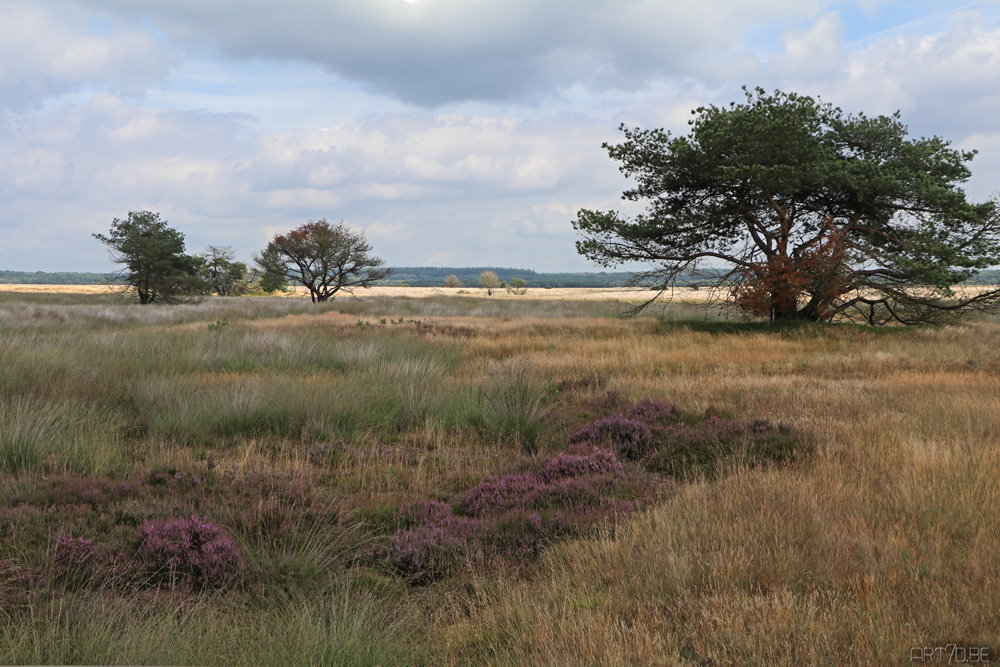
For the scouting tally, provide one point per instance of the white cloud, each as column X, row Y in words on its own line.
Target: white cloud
column 44, row 53
column 394, row 230
column 816, row 52
column 420, row 184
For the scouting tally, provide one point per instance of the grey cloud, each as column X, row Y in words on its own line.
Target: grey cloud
column 432, row 52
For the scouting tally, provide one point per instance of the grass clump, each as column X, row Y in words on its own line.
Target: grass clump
column 513, row 404
column 29, row 429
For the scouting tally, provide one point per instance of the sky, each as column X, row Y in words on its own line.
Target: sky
column 452, row 132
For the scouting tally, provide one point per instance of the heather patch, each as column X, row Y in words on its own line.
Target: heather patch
column 632, row 438
column 510, row 517
column 18, row 586
column 128, row 532
column 604, row 472
column 75, row 561
column 688, row 450
column 184, row 552
column 665, row 441
column 188, row 552
column 580, row 460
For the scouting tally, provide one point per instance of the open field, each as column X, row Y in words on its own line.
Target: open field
column 632, row 295
column 559, row 293
column 459, row 480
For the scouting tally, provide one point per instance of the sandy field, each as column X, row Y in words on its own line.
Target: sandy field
column 635, row 294
column 571, row 293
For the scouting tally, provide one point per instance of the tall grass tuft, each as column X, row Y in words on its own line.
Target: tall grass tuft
column 28, row 431
column 340, row 626
column 513, row 404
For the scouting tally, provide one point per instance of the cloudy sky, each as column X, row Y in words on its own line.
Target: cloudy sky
column 453, row 132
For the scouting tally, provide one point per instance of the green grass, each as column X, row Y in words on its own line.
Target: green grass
column 340, row 626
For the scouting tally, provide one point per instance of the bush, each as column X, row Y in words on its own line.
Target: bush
column 632, row 438
column 691, row 450
column 656, row 434
column 189, row 552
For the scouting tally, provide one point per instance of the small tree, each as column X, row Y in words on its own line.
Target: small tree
column 225, row 276
column 453, row 281
column 490, row 281
column 155, row 266
column 517, row 286
column 324, row 258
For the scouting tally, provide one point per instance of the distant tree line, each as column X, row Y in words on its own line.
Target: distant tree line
column 52, row 278
column 438, row 276
column 230, row 277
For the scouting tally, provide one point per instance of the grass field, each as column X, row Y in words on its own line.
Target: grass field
column 456, row 479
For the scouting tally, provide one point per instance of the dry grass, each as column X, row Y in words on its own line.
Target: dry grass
column 887, row 538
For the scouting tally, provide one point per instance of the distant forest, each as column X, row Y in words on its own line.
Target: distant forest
column 433, row 276
column 57, row 278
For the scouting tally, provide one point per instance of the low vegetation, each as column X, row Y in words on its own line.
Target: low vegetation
column 459, row 480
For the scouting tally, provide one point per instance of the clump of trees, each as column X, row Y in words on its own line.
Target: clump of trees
column 453, row 281
column 811, row 212
column 325, row 258
column 154, row 264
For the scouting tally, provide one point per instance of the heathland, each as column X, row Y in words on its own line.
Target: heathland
column 457, row 479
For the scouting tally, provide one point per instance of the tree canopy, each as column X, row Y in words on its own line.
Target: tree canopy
column 490, row 281
column 324, row 258
column 155, row 266
column 814, row 212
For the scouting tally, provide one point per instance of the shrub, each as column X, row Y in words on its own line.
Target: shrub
column 501, row 494
column 431, row 551
column 691, row 450
column 188, row 551
column 580, row 460
column 633, row 439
